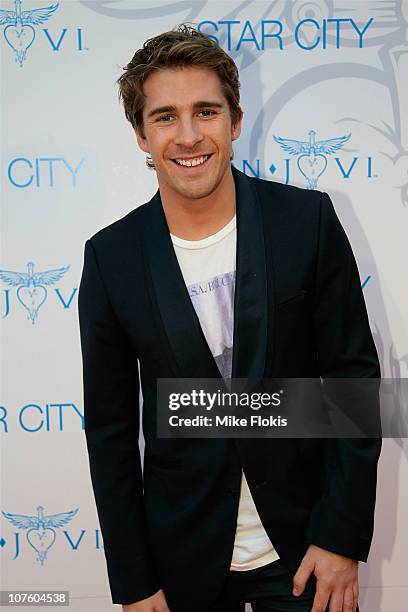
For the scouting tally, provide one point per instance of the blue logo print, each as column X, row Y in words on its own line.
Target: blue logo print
column 19, row 32
column 311, row 161
column 40, row 535
column 31, row 292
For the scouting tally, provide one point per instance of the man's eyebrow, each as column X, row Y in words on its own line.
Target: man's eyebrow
column 171, row 109
column 205, row 103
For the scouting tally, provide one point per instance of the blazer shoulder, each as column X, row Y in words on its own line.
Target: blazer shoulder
column 119, row 232
column 283, row 195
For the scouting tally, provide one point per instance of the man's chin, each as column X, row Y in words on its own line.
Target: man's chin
column 196, row 190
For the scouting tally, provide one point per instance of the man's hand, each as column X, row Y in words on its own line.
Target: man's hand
column 154, row 603
column 337, row 580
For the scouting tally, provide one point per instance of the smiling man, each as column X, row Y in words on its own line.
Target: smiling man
column 220, row 275
column 188, row 130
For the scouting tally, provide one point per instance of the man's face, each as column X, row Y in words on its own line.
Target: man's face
column 187, row 121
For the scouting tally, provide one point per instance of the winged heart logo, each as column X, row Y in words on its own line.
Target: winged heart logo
column 31, row 286
column 40, row 529
column 19, row 32
column 311, row 160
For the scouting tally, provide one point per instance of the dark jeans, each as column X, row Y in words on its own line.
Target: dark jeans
column 267, row 589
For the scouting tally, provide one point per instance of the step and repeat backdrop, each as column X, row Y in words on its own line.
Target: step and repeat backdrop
column 324, row 87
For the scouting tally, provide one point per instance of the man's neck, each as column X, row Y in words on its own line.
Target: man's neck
column 197, row 218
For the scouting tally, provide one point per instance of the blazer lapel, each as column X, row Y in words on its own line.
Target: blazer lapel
column 189, row 346
column 251, row 298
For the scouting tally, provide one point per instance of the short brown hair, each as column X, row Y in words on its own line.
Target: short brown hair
column 181, row 47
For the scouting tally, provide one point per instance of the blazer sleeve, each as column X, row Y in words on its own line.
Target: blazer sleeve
column 111, row 414
column 342, row 521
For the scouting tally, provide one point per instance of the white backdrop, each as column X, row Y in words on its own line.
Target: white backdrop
column 310, row 69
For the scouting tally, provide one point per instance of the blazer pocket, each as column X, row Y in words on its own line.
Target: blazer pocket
column 292, row 300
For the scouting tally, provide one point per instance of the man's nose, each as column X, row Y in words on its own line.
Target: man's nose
column 188, row 133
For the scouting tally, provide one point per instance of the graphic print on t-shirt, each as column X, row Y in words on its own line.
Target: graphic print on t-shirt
column 213, row 301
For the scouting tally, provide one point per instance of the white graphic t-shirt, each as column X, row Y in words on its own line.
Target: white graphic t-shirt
column 208, row 268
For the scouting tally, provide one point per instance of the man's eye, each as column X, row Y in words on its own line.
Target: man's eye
column 207, row 112
column 165, row 118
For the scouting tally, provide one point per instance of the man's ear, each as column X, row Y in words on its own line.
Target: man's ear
column 236, row 128
column 141, row 141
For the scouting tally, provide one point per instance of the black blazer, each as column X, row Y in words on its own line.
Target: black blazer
column 299, row 312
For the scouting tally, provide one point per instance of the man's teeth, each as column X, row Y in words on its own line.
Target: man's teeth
column 192, row 162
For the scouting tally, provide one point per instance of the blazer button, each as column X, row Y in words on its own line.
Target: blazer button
column 233, row 491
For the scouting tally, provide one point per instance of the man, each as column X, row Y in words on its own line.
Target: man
column 212, row 523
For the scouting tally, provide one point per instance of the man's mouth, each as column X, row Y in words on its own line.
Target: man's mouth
column 192, row 162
